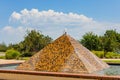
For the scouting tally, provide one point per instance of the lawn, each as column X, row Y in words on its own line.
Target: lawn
column 111, row 60
column 24, row 58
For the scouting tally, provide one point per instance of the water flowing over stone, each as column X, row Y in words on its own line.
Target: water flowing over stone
column 65, row 54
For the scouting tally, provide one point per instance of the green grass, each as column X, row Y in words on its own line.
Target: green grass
column 24, row 58
column 112, row 61
column 2, row 57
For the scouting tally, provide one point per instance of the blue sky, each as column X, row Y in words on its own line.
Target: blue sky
column 52, row 16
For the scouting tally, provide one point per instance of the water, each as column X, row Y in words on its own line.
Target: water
column 113, row 70
column 9, row 67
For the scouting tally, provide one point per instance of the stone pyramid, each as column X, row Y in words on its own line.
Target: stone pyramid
column 65, row 54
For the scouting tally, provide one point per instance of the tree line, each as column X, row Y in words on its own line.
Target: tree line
column 32, row 43
column 109, row 42
column 35, row 41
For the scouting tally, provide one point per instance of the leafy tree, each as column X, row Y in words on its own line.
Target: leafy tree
column 118, row 43
column 32, row 43
column 15, row 46
column 110, row 40
column 91, row 41
column 3, row 47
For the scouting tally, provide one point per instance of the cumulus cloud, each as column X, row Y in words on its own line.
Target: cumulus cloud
column 16, row 16
column 44, row 18
column 53, row 23
column 50, row 22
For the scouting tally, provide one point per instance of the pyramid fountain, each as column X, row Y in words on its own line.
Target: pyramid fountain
column 65, row 54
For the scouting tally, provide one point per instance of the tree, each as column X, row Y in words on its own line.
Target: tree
column 3, row 47
column 117, row 50
column 91, row 41
column 111, row 41
column 33, row 42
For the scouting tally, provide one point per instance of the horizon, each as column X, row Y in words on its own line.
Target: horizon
column 52, row 17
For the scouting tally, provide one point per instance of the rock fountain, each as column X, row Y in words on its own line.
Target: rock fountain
column 65, row 54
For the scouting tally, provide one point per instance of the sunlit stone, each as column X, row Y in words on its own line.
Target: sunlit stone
column 65, row 54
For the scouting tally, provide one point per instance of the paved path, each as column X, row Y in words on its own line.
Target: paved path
column 110, row 59
column 2, row 53
column 7, row 76
column 3, row 61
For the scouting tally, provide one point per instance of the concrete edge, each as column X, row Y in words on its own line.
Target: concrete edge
column 59, row 74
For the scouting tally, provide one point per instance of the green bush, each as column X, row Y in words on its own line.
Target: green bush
column 99, row 54
column 12, row 54
column 112, row 55
column 2, row 57
column 27, row 54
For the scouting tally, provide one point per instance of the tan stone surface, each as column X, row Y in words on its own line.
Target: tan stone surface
column 8, row 76
column 65, row 54
column 3, row 61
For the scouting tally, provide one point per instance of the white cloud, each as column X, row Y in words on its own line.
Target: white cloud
column 50, row 21
column 53, row 23
column 44, row 18
column 16, row 15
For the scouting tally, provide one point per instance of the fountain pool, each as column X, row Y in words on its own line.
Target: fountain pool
column 8, row 66
column 113, row 70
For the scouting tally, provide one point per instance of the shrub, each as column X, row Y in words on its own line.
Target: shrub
column 12, row 54
column 27, row 54
column 2, row 57
column 112, row 55
column 99, row 54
